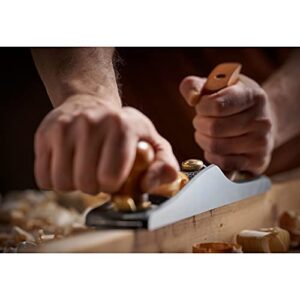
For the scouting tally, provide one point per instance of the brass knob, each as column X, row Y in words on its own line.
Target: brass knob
column 192, row 165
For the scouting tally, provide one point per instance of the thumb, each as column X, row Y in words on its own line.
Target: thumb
column 164, row 168
column 191, row 88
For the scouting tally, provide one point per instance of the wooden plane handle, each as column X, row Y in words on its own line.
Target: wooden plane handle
column 143, row 159
column 222, row 76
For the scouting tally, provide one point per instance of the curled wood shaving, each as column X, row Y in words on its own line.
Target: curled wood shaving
column 217, row 248
column 290, row 221
column 265, row 240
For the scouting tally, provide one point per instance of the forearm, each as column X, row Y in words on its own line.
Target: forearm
column 283, row 89
column 74, row 71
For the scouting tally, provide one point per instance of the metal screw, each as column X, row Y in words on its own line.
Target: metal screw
column 192, row 165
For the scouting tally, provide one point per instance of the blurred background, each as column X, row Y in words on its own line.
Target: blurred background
column 149, row 79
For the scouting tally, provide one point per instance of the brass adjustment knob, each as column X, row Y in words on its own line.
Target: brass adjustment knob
column 192, row 165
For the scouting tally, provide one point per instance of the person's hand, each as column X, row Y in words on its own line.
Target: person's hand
column 90, row 145
column 234, row 126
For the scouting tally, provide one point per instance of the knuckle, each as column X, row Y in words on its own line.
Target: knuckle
column 234, row 92
column 211, row 145
column 64, row 120
column 150, row 128
column 225, row 100
column 53, row 127
column 262, row 141
column 58, row 131
column 145, row 121
column 247, row 93
column 220, row 105
column 261, row 96
column 82, row 119
column 187, row 84
column 115, row 118
column 223, row 104
column 169, row 171
column 266, row 124
column 164, row 144
column 258, row 162
column 214, row 146
column 195, row 122
column 262, row 160
column 261, row 100
column 118, row 121
column 214, row 128
column 189, row 80
column 62, row 126
column 224, row 163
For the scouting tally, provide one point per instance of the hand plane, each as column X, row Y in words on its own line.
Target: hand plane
column 197, row 189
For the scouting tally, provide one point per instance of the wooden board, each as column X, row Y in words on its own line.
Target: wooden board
column 221, row 224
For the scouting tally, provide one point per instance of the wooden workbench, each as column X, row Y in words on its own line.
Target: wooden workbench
column 221, row 224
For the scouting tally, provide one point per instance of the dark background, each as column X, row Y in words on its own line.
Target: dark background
column 149, row 80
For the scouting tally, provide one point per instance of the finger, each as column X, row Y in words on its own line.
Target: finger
column 42, row 163
column 228, row 101
column 61, row 160
column 231, row 126
column 62, row 168
column 117, row 159
column 248, row 143
column 229, row 163
column 254, row 163
column 86, row 156
column 191, row 88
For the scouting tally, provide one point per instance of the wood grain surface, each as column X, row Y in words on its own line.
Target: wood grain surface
column 218, row 225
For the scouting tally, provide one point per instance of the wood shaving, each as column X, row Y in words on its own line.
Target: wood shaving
column 31, row 218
